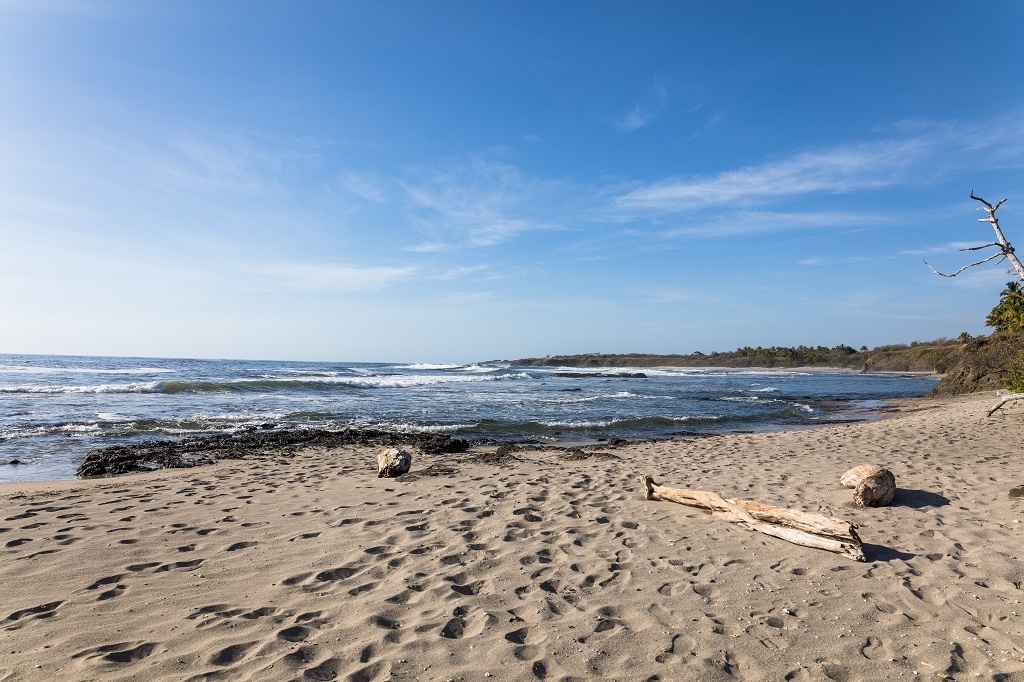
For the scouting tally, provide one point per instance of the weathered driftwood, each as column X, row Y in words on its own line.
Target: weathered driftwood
column 393, row 462
column 808, row 529
column 876, row 491
column 858, row 473
column 873, row 486
column 1003, row 400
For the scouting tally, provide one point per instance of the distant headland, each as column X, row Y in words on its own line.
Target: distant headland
column 968, row 363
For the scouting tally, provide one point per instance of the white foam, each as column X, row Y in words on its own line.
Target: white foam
column 146, row 387
column 407, row 381
column 481, row 369
column 612, row 422
column 28, row 369
column 422, row 428
column 621, row 395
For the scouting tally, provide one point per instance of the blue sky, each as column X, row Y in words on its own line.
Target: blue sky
column 460, row 181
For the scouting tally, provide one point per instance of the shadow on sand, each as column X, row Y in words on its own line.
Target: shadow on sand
column 916, row 499
column 883, row 553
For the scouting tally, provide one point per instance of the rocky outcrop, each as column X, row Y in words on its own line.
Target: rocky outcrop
column 981, row 365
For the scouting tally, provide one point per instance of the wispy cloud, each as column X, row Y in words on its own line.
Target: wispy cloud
column 634, row 120
column 329, row 276
column 480, row 202
column 430, row 247
column 732, row 223
column 839, row 170
column 643, row 113
column 368, row 186
column 821, row 260
column 458, row 272
column 921, row 153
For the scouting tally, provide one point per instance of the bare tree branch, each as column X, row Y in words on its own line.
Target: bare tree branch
column 994, row 255
column 1004, row 245
column 987, row 205
column 1006, row 251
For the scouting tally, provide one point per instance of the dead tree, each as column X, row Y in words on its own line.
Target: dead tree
column 1005, row 252
column 1005, row 248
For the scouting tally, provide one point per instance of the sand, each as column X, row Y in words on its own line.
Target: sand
column 550, row 567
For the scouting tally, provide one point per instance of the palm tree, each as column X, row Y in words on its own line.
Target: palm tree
column 1008, row 315
column 1012, row 289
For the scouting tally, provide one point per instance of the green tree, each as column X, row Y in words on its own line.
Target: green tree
column 1015, row 380
column 1008, row 315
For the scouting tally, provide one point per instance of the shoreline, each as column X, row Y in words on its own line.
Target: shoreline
column 203, row 450
column 56, row 415
column 530, row 564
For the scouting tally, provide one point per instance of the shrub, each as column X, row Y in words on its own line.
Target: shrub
column 1015, row 380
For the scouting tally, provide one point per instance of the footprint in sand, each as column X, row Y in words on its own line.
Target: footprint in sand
column 467, row 622
column 121, row 652
column 41, row 611
column 178, row 565
column 304, row 536
column 231, row 654
column 295, row 633
column 474, row 588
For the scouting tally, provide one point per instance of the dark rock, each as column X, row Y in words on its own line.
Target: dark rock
column 15, row 461
column 197, row 451
column 504, row 450
column 1017, row 492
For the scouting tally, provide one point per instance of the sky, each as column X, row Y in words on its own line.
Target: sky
column 459, row 181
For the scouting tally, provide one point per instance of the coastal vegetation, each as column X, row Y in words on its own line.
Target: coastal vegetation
column 930, row 356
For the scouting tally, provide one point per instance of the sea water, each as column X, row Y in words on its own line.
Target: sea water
column 55, row 409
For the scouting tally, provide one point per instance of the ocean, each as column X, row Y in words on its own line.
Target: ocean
column 55, row 409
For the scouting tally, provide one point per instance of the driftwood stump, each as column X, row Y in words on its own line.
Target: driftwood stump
column 872, row 485
column 808, row 529
column 858, row 473
column 393, row 462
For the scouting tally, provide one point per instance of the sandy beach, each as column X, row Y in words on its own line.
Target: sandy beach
column 542, row 565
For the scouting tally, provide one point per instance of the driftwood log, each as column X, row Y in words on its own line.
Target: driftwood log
column 1003, row 400
column 872, row 485
column 808, row 529
column 393, row 462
